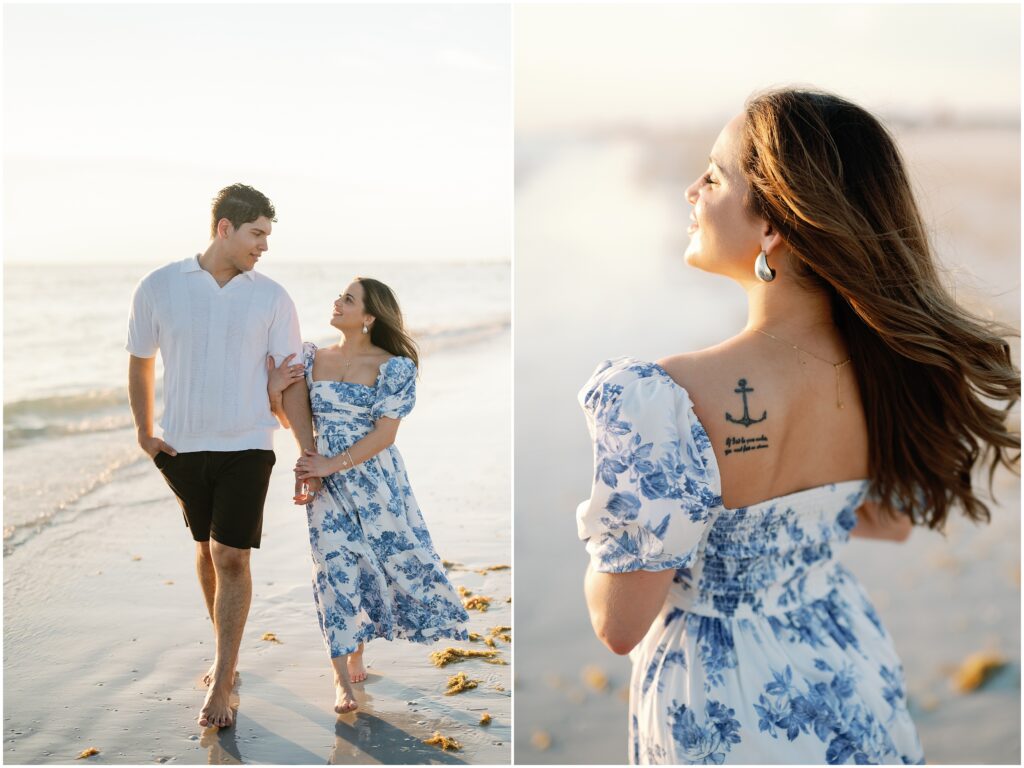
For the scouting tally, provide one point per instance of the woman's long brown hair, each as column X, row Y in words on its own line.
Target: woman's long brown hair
column 936, row 381
column 388, row 329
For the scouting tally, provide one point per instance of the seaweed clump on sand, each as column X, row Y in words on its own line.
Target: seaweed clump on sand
column 483, row 571
column 270, row 637
column 449, row 655
column 444, row 742
column 485, row 718
column 477, row 602
column 976, row 670
column 459, row 683
column 595, row 677
column 88, row 753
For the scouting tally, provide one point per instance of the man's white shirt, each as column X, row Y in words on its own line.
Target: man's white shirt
column 214, row 342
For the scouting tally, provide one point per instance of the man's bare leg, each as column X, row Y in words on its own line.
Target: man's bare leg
column 356, row 669
column 230, row 610
column 345, row 697
column 208, row 583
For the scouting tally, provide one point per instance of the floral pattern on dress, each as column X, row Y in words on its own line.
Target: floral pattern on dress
column 767, row 649
column 375, row 571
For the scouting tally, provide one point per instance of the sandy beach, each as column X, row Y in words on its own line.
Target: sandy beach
column 105, row 636
column 600, row 235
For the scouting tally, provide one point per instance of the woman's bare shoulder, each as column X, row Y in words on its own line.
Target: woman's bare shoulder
column 694, row 369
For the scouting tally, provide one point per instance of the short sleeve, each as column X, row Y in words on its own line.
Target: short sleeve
column 396, row 389
column 650, row 504
column 143, row 331
column 284, row 338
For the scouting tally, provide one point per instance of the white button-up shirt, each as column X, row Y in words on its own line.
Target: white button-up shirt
column 214, row 342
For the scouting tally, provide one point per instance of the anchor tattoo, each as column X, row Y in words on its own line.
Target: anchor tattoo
column 746, row 421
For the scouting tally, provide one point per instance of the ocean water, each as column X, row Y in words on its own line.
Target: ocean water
column 67, row 426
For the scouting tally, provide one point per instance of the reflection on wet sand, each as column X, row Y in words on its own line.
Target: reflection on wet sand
column 221, row 746
column 363, row 737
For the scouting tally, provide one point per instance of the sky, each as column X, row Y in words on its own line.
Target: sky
column 655, row 64
column 379, row 132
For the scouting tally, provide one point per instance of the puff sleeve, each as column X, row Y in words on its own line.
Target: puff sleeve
column 308, row 353
column 396, row 389
column 650, row 503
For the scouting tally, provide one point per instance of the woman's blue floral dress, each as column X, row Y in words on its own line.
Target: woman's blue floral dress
column 375, row 572
column 767, row 649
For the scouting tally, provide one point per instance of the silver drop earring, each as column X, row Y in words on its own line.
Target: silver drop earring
column 365, row 328
column 764, row 273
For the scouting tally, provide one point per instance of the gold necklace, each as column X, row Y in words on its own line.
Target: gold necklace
column 835, row 366
column 344, row 371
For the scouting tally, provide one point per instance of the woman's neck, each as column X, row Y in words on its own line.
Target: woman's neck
column 794, row 313
column 790, row 310
column 355, row 343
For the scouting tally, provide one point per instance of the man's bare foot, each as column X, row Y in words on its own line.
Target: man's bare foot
column 356, row 670
column 217, row 711
column 207, row 678
column 345, row 698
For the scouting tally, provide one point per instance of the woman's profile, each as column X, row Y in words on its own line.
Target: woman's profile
column 375, row 571
column 856, row 401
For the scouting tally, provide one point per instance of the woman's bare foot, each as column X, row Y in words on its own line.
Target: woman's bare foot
column 345, row 697
column 356, row 670
column 217, row 711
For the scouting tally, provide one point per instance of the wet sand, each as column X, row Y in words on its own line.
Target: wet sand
column 600, row 236
column 105, row 636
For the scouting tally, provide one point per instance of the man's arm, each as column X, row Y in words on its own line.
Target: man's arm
column 141, row 396
column 295, row 403
column 280, row 378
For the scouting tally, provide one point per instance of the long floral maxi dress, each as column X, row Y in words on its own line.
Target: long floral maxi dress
column 375, row 572
column 767, row 649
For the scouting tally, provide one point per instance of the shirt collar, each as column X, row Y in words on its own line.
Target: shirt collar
column 192, row 265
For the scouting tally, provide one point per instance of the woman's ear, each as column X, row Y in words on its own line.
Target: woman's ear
column 771, row 239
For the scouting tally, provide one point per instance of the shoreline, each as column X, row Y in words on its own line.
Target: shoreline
column 104, row 607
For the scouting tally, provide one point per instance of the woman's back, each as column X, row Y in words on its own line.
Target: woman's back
column 765, row 649
column 772, row 416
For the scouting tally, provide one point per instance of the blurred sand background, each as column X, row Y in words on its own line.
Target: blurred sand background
column 600, row 233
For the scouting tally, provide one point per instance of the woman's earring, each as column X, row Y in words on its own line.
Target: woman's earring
column 764, row 273
column 365, row 328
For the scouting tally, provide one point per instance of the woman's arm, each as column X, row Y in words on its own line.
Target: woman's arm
column 873, row 522
column 623, row 605
column 383, row 434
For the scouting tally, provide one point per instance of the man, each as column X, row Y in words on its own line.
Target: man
column 215, row 321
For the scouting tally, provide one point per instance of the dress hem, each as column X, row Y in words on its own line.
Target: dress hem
column 450, row 634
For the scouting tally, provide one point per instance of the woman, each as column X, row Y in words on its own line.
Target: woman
column 375, row 572
column 726, row 480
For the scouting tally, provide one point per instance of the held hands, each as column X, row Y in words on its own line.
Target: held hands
column 312, row 465
column 280, row 377
column 305, row 490
column 154, row 445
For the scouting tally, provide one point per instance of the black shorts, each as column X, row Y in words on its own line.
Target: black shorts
column 221, row 492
